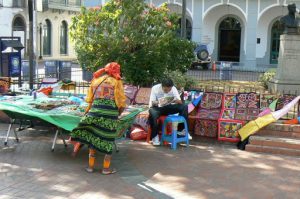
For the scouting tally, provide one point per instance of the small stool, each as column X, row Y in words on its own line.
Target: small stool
column 174, row 138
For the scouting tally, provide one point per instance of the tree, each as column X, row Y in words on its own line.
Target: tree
column 141, row 37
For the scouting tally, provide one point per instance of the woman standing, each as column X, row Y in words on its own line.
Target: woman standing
column 100, row 126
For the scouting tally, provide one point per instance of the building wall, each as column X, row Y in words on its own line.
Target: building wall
column 55, row 17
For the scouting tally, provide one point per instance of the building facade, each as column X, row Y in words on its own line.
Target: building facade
column 51, row 21
column 244, row 31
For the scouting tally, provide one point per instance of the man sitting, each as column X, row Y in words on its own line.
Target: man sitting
column 165, row 100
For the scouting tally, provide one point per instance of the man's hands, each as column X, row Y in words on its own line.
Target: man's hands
column 176, row 101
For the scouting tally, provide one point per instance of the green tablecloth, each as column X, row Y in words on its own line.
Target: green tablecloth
column 22, row 106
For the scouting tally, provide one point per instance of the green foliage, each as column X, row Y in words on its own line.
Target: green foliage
column 267, row 76
column 181, row 80
column 140, row 37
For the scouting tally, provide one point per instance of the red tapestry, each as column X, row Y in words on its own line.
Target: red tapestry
column 210, row 107
column 208, row 128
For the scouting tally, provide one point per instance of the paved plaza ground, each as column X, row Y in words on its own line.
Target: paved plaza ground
column 206, row 169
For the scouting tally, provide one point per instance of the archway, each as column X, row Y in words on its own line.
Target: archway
column 19, row 30
column 276, row 31
column 229, row 40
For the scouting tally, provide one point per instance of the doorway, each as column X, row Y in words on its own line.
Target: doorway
column 229, row 40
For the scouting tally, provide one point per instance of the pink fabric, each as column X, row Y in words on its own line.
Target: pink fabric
column 265, row 112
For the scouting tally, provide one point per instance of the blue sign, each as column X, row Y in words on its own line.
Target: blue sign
column 14, row 65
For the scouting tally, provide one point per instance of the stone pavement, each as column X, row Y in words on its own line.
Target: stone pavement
column 207, row 169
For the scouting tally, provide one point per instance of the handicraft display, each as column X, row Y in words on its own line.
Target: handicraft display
column 283, row 100
column 208, row 115
column 210, row 106
column 229, row 106
column 247, row 106
column 228, row 130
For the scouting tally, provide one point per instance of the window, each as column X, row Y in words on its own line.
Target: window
column 276, row 31
column 47, row 38
column 18, row 24
column 18, row 3
column 64, row 38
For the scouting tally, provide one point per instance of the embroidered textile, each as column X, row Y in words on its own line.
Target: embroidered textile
column 266, row 100
column 208, row 128
column 284, row 100
column 229, row 130
column 247, row 106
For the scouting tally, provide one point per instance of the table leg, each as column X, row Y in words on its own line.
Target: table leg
column 54, row 140
column 12, row 121
column 16, row 135
column 64, row 141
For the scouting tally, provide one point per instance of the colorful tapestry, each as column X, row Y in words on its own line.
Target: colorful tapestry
column 229, row 101
column 284, row 100
column 142, row 96
column 211, row 101
column 208, row 128
column 229, row 106
column 266, row 100
column 228, row 114
column 213, row 114
column 247, row 106
column 229, row 131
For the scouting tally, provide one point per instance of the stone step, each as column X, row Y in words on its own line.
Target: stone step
column 275, row 133
column 283, row 127
column 272, row 150
column 280, row 142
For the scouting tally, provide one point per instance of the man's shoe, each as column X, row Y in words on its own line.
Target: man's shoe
column 155, row 141
column 183, row 132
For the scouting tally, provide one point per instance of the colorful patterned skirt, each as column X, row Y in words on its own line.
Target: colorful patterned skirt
column 100, row 126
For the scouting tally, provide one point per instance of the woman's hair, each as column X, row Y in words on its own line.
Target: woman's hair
column 167, row 82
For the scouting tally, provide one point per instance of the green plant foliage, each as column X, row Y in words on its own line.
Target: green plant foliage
column 267, row 76
column 142, row 38
column 181, row 80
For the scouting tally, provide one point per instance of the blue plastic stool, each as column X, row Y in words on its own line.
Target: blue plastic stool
column 173, row 138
